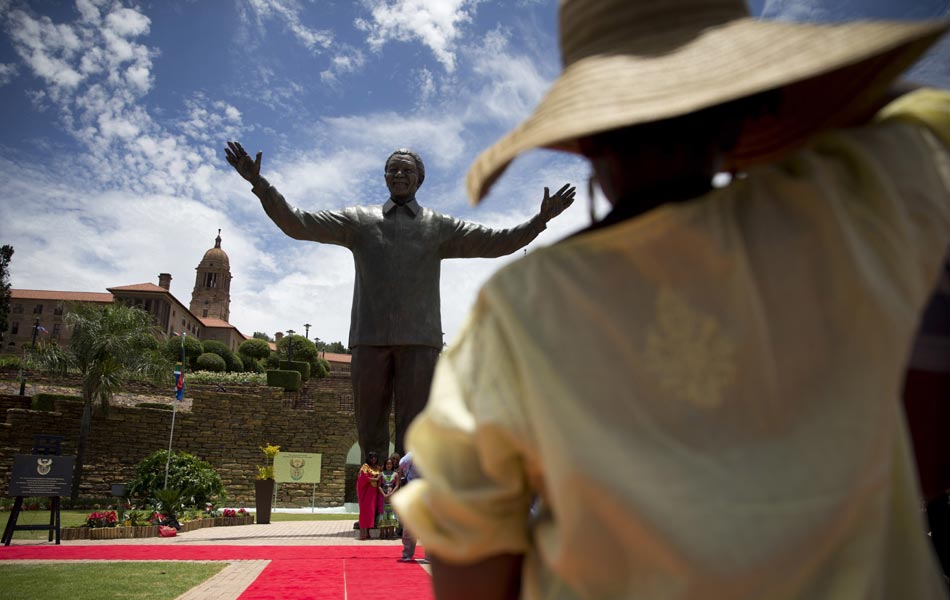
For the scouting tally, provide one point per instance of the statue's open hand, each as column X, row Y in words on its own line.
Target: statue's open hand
column 242, row 163
column 554, row 205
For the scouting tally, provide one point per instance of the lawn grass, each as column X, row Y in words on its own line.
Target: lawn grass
column 103, row 580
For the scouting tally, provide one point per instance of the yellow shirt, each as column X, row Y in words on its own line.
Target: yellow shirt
column 705, row 397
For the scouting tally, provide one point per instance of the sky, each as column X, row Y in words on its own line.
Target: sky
column 114, row 115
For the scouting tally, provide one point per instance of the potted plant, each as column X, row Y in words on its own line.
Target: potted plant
column 264, row 486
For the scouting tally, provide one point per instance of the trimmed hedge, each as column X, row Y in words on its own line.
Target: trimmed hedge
column 157, row 405
column 45, row 401
column 297, row 365
column 289, row 380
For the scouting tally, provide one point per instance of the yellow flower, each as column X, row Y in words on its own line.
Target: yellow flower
column 270, row 451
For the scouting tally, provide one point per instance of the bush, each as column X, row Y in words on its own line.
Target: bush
column 289, row 380
column 251, row 364
column 214, row 378
column 10, row 362
column 323, row 368
column 272, row 361
column 297, row 365
column 255, row 348
column 237, row 364
column 45, row 401
column 210, row 361
column 196, row 479
column 193, row 349
column 219, row 348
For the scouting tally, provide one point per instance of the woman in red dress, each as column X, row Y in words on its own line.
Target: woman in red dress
column 367, row 493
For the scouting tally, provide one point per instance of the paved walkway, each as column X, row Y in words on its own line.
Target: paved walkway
column 235, row 578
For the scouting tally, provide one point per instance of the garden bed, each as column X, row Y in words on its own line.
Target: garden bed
column 143, row 531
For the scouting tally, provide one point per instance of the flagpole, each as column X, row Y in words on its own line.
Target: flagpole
column 179, row 394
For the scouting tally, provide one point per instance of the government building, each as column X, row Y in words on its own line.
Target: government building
column 205, row 318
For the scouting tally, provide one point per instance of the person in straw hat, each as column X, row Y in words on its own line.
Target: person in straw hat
column 729, row 427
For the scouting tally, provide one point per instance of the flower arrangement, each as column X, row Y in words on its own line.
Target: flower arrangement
column 267, row 471
column 229, row 512
column 106, row 518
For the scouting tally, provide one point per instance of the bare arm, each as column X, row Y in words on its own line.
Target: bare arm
column 494, row 577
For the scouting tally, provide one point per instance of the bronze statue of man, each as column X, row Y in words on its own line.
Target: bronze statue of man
column 397, row 246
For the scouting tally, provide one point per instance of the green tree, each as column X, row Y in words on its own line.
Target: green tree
column 6, row 253
column 108, row 344
column 337, row 348
column 255, row 348
column 260, row 335
column 303, row 349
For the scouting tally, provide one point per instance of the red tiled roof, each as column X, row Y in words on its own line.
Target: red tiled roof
column 340, row 358
column 16, row 294
column 140, row 287
column 213, row 322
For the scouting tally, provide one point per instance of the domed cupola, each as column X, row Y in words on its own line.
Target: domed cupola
column 211, row 297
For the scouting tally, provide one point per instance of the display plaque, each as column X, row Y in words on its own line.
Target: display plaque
column 41, row 475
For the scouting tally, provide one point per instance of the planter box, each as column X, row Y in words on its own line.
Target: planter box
column 143, row 531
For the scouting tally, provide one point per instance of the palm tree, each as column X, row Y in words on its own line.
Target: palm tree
column 106, row 347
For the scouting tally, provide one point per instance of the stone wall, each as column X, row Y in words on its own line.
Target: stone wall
column 225, row 428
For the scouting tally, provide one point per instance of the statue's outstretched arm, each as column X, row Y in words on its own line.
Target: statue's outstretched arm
column 242, row 163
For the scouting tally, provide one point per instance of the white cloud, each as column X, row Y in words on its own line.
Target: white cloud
column 288, row 12
column 7, row 73
column 511, row 84
column 435, row 23
column 426, row 84
column 346, row 60
column 126, row 22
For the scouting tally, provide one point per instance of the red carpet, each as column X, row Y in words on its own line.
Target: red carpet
column 295, row 572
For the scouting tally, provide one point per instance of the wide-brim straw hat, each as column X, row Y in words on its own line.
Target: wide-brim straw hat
column 627, row 62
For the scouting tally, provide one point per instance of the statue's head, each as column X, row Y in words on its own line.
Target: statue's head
column 405, row 173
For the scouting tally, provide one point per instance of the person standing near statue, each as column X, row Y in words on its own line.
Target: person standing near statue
column 395, row 323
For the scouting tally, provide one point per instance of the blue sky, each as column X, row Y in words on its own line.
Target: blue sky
column 114, row 115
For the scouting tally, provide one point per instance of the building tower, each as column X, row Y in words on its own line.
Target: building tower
column 211, row 297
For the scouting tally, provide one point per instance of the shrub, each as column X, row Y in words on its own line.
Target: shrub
column 210, row 362
column 221, row 349
column 272, row 361
column 216, row 378
column 255, row 348
column 322, row 368
column 297, row 365
column 196, row 479
column 44, row 401
column 289, row 380
column 237, row 364
column 193, row 349
column 251, row 364
column 10, row 362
